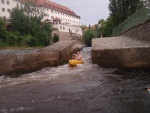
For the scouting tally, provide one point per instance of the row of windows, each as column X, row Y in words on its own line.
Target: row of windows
column 3, row 2
column 52, row 17
column 7, row 2
column 56, row 12
column 63, row 28
column 4, row 10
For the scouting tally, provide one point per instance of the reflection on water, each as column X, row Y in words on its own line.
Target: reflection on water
column 116, row 91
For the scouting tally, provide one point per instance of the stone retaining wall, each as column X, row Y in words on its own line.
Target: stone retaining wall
column 121, row 52
column 23, row 61
column 141, row 32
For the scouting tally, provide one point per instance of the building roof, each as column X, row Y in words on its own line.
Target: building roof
column 52, row 5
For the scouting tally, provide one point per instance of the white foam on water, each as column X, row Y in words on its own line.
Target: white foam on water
column 48, row 73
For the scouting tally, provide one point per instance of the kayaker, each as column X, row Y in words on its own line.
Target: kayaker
column 78, row 56
column 73, row 56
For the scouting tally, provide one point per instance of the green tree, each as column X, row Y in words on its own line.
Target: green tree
column 55, row 38
column 89, row 26
column 83, row 27
column 28, row 22
column 101, row 21
column 89, row 35
column 2, row 32
column 120, row 10
column 105, row 28
column 19, row 21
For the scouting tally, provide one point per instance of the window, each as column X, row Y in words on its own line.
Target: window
column 60, row 27
column 2, row 1
column 18, row 5
column 63, row 28
column 7, row 2
column 8, row 10
column 51, row 10
column 52, row 17
column 3, row 9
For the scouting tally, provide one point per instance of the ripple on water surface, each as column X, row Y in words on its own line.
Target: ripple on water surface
column 109, row 90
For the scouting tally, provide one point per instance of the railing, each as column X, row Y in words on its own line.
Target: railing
column 136, row 19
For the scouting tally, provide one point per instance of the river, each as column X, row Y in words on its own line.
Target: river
column 86, row 88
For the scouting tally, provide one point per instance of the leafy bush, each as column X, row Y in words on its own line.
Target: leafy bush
column 1, row 44
column 88, row 35
column 27, row 30
column 55, row 38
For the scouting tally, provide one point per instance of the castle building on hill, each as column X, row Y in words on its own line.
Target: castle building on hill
column 61, row 17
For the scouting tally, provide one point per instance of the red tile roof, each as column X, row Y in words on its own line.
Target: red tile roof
column 52, row 5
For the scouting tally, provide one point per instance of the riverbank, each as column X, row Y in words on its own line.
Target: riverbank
column 22, row 61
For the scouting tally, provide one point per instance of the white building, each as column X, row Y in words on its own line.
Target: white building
column 64, row 19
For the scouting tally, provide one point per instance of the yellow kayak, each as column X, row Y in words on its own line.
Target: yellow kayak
column 75, row 62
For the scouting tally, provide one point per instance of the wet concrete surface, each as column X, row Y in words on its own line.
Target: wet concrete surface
column 86, row 88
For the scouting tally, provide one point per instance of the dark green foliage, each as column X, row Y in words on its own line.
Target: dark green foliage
column 89, row 35
column 28, row 28
column 89, row 26
column 105, row 28
column 19, row 21
column 32, row 25
column 120, row 10
column 56, row 38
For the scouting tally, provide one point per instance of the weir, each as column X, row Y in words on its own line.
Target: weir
column 130, row 46
column 23, row 61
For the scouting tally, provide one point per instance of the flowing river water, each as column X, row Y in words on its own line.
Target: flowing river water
column 86, row 88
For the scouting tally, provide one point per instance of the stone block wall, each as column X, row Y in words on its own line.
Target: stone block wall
column 126, row 58
column 16, row 62
column 141, row 32
column 121, row 52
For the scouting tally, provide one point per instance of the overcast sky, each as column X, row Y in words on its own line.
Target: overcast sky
column 90, row 10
